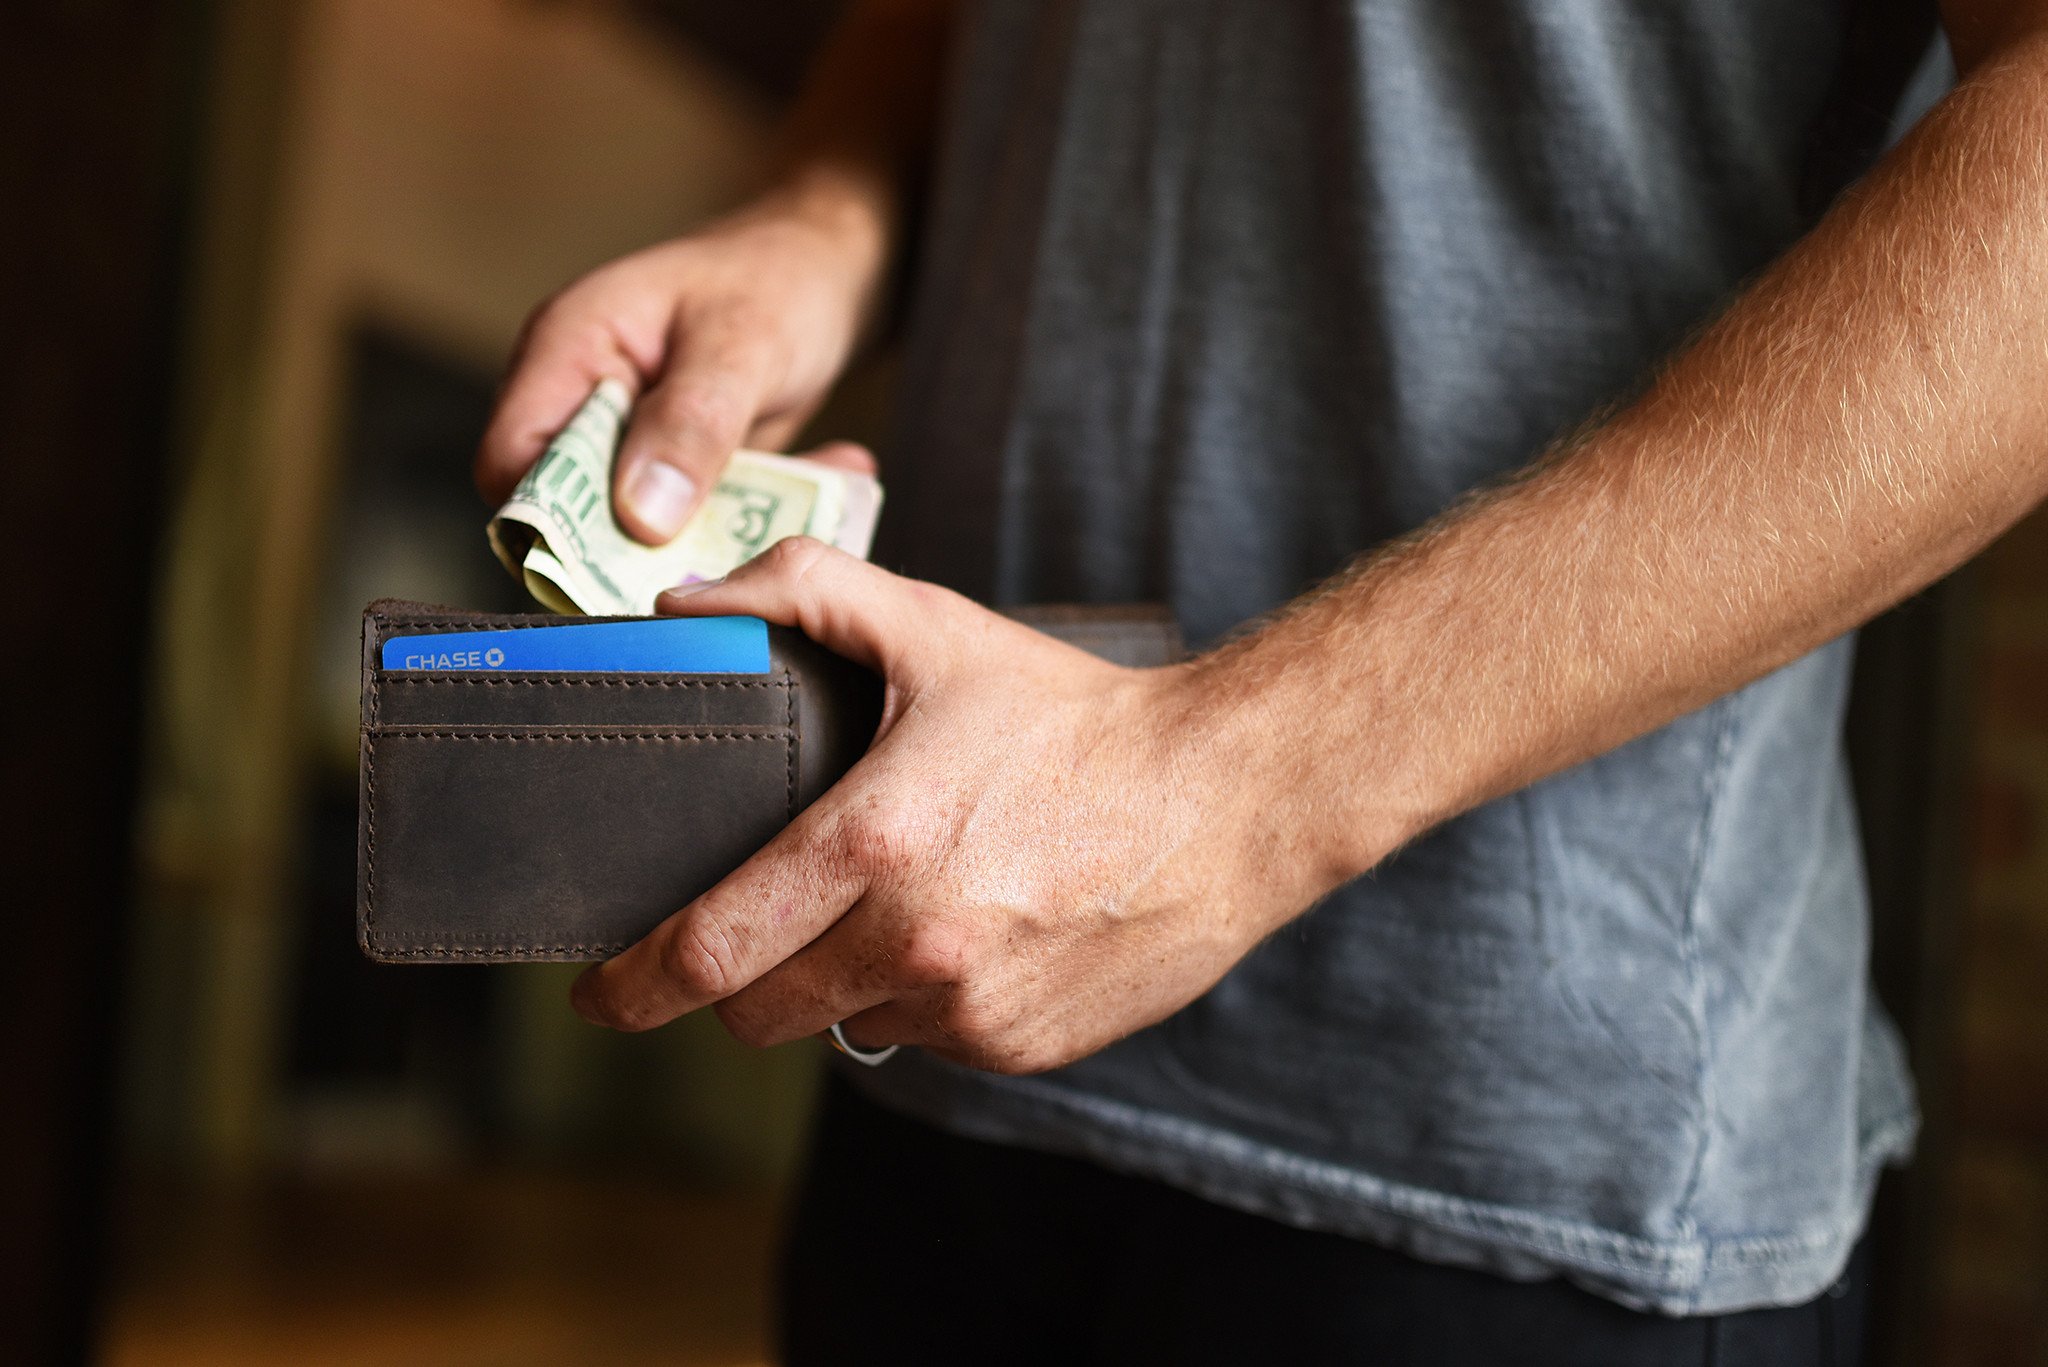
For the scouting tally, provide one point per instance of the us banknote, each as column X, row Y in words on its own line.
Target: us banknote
column 557, row 535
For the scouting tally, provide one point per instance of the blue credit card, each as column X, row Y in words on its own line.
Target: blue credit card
column 666, row 645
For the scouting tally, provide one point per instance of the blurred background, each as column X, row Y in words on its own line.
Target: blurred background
column 264, row 262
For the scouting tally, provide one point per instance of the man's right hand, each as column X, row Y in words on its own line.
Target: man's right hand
column 731, row 336
column 727, row 337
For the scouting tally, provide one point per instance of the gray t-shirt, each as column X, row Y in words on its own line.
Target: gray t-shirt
column 1215, row 295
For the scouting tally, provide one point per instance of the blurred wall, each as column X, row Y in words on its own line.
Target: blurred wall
column 430, row 171
column 94, row 136
column 1990, row 1121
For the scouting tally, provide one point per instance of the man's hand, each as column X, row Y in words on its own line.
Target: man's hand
column 728, row 337
column 732, row 335
column 1041, row 853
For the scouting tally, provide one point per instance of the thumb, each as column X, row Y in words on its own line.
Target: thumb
column 683, row 431
column 848, row 606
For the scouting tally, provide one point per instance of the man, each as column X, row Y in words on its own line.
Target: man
column 1573, row 1059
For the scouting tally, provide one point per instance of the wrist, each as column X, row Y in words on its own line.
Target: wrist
column 1320, row 749
column 1226, row 749
column 847, row 216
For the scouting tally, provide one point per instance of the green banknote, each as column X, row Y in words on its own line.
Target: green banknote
column 557, row 535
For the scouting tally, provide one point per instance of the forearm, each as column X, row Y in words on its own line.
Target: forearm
column 1868, row 415
column 854, row 148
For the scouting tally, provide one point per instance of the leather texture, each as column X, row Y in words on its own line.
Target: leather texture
column 527, row 816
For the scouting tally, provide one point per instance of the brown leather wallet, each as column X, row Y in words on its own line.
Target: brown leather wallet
column 519, row 817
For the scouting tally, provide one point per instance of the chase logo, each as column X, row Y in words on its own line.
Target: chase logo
column 457, row 659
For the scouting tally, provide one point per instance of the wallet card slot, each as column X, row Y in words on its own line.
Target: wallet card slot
column 424, row 697
column 583, row 837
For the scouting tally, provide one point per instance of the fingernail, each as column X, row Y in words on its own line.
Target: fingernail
column 659, row 495
column 682, row 591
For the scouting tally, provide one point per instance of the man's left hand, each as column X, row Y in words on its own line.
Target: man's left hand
column 1041, row 852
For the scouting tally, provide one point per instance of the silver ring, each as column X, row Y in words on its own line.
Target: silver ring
column 873, row 1058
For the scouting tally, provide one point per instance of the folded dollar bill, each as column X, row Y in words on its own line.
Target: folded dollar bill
column 557, row 535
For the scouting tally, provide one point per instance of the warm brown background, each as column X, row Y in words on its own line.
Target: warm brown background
column 1992, row 1257
column 262, row 262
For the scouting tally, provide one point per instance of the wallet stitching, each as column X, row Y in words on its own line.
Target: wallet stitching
column 539, row 734
column 789, row 741
column 370, row 819
column 500, row 622
column 462, row 951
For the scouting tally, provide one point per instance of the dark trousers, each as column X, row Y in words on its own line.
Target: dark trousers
column 908, row 1246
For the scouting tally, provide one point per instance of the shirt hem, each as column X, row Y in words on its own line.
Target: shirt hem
column 1669, row 1277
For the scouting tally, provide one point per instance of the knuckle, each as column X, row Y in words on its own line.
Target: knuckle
column 560, row 317
column 970, row 1020
column 748, row 322
column 703, row 961
column 986, row 1030
column 748, row 1026
column 540, row 319
column 882, row 843
column 934, row 952
column 717, row 411
column 794, row 557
